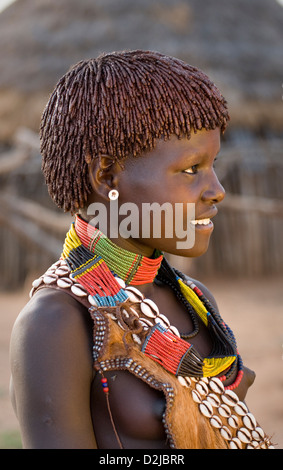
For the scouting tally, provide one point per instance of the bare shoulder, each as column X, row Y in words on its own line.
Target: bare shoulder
column 52, row 316
column 51, row 365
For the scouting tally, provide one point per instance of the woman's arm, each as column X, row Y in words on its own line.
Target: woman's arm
column 51, row 366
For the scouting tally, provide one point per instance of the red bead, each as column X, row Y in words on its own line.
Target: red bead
column 106, row 390
column 104, row 380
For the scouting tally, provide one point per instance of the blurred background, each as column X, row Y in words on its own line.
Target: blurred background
column 239, row 45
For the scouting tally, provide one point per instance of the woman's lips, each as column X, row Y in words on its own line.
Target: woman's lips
column 201, row 222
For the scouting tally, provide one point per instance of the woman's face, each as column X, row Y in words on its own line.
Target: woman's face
column 175, row 173
column 167, row 197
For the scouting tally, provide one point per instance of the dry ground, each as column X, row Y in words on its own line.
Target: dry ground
column 254, row 311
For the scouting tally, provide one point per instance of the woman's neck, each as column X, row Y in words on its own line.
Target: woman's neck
column 130, row 264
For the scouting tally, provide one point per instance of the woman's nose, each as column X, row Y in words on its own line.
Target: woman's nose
column 214, row 191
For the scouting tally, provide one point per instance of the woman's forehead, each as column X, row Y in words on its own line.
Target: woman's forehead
column 202, row 142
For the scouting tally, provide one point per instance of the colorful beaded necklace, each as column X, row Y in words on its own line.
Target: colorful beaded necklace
column 99, row 265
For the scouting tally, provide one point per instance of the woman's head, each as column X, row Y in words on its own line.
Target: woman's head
column 120, row 105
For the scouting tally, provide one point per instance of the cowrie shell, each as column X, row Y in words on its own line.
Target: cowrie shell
column 133, row 298
column 253, row 445
column 216, row 421
column 64, row 282
column 135, row 293
column 49, row 272
column 63, row 262
column 147, row 310
column 152, row 305
column 244, row 435
column 61, row 271
column 206, row 409
column 241, row 409
column 146, row 322
column 216, row 385
column 164, row 319
column 50, row 279
column 136, row 338
column 213, row 399
column 226, row 433
column 161, row 322
column 250, row 421
column 182, row 381
column 188, row 380
column 230, row 398
column 196, row 396
column 144, row 325
column 202, row 388
column 224, row 411
column 174, row 330
column 134, row 312
column 235, row 443
column 258, row 433
column 37, row 282
column 233, row 421
column 78, row 291
column 92, row 301
column 120, row 325
column 121, row 282
column 205, row 380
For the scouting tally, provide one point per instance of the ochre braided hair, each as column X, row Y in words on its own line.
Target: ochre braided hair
column 118, row 105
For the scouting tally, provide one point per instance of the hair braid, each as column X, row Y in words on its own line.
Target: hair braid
column 119, row 104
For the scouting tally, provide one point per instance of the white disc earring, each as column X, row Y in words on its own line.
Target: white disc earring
column 113, row 194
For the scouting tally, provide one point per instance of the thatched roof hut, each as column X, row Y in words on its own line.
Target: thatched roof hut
column 239, row 44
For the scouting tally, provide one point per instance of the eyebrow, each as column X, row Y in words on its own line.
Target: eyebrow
column 187, row 157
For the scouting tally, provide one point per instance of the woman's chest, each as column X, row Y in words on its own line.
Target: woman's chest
column 132, row 408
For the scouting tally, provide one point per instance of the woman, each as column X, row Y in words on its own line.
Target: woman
column 116, row 348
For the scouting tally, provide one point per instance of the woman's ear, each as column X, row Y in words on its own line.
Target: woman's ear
column 103, row 175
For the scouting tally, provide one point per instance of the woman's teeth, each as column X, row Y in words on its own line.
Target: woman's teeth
column 200, row 222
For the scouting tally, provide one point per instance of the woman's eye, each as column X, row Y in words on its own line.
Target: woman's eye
column 192, row 170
